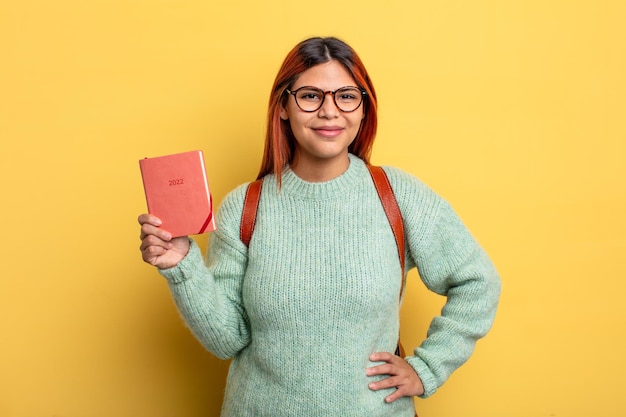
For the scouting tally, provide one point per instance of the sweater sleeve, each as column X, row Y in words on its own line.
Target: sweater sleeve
column 451, row 263
column 208, row 296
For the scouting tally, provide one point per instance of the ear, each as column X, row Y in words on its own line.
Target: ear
column 283, row 113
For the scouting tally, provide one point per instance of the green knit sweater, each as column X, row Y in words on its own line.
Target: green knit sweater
column 316, row 293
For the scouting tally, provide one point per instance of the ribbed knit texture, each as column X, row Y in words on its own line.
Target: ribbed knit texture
column 316, row 293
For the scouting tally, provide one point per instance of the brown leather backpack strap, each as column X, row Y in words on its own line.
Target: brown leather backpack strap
column 390, row 204
column 250, row 207
column 394, row 215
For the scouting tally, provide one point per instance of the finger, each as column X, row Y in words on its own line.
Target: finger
column 382, row 357
column 150, row 219
column 396, row 395
column 148, row 229
column 391, row 382
column 384, row 369
column 153, row 241
column 151, row 254
column 403, row 390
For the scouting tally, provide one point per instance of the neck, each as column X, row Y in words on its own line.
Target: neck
column 320, row 170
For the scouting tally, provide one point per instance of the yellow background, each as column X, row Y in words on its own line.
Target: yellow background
column 514, row 111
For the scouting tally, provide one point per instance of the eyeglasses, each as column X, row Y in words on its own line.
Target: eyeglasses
column 310, row 99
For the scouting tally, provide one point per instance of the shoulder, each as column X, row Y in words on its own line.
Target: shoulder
column 420, row 205
column 231, row 208
column 408, row 187
column 232, row 204
column 228, row 216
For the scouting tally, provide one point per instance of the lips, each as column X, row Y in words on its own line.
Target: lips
column 328, row 131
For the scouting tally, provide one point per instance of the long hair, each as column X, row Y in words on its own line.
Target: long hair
column 279, row 139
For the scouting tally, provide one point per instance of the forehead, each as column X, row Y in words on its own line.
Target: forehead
column 327, row 76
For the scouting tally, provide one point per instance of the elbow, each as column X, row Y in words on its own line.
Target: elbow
column 224, row 346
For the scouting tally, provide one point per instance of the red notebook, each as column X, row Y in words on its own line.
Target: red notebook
column 177, row 192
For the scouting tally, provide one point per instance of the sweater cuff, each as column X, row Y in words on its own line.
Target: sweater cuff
column 425, row 374
column 187, row 267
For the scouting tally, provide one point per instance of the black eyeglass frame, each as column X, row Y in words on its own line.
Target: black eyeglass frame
column 324, row 94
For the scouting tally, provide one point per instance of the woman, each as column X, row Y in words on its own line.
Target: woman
column 309, row 309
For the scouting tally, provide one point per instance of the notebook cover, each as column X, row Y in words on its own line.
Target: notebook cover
column 177, row 192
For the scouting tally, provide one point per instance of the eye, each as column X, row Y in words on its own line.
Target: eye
column 310, row 95
column 348, row 95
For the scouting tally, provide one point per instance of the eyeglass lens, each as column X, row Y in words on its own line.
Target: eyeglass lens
column 310, row 99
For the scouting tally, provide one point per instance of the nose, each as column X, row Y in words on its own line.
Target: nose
column 329, row 109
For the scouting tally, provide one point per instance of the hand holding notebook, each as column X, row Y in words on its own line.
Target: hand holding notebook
column 177, row 192
column 158, row 248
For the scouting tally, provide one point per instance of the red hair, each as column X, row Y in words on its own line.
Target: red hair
column 279, row 140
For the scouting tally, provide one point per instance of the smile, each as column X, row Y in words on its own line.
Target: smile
column 329, row 131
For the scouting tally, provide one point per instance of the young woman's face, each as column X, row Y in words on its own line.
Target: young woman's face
column 324, row 134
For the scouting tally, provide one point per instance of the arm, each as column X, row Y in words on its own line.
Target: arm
column 208, row 297
column 451, row 263
column 209, row 300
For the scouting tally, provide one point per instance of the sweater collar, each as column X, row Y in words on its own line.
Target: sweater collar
column 351, row 179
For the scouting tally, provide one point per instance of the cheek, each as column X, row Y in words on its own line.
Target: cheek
column 297, row 121
column 357, row 119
